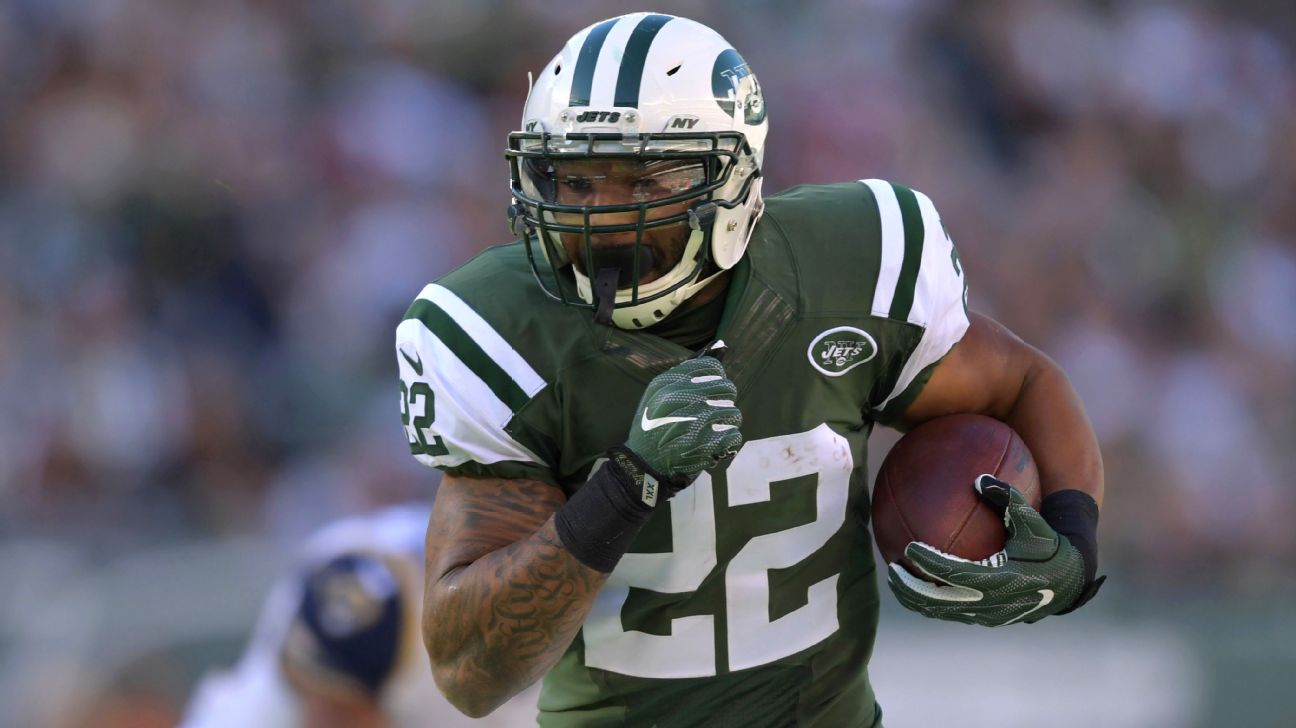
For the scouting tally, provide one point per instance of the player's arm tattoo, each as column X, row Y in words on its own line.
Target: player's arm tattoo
column 503, row 599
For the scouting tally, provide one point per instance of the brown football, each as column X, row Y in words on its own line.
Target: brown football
column 924, row 489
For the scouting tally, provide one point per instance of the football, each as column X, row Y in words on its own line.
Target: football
column 923, row 490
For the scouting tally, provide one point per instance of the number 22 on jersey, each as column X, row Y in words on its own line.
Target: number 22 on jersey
column 753, row 638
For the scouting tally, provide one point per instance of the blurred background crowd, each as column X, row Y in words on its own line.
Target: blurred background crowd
column 212, row 216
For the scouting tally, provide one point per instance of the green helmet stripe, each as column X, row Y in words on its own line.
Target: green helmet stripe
column 469, row 352
column 583, row 74
column 634, row 58
column 913, row 247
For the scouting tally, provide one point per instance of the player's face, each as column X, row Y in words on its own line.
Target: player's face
column 616, row 182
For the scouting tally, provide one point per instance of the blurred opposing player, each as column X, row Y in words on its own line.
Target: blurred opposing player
column 673, row 534
column 337, row 643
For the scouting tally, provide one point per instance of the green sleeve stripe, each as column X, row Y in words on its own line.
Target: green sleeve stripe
column 913, row 246
column 469, row 352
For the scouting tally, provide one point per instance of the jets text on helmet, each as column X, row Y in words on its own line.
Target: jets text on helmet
column 610, row 117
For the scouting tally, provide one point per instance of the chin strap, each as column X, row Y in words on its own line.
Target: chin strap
column 605, row 292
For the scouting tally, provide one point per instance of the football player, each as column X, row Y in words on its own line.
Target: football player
column 652, row 411
column 337, row 643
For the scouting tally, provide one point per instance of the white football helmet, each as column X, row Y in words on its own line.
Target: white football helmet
column 672, row 96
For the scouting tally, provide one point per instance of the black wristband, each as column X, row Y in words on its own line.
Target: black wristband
column 1074, row 514
column 602, row 518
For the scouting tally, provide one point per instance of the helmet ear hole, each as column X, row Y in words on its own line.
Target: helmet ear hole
column 672, row 71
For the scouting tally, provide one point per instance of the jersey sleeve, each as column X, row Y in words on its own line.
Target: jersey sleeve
column 462, row 385
column 921, row 282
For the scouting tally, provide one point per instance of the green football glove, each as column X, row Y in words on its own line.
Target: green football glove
column 1038, row 573
column 686, row 423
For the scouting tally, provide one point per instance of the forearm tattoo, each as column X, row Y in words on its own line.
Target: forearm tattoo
column 501, row 606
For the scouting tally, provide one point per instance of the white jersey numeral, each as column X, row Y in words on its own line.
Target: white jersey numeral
column 689, row 650
column 754, row 639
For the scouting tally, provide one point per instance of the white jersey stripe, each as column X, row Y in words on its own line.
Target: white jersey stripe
column 892, row 245
column 499, row 350
column 927, row 291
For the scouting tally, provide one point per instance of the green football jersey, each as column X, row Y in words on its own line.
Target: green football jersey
column 750, row 599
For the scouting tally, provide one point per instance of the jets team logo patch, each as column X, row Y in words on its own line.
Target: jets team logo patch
column 837, row 351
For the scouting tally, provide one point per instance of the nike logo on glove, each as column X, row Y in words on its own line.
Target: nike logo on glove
column 648, row 423
column 1046, row 597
